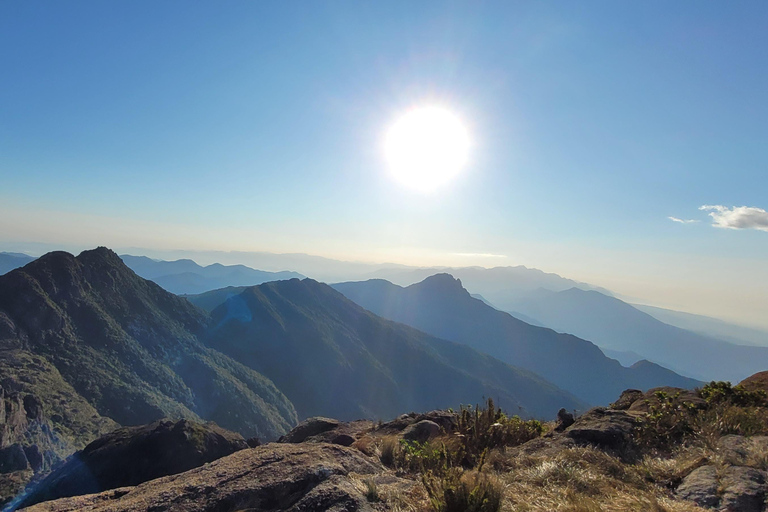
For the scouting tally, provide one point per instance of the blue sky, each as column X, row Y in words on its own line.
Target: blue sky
column 259, row 126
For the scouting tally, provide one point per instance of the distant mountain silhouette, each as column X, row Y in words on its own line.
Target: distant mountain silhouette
column 331, row 357
column 127, row 347
column 187, row 277
column 708, row 326
column 12, row 260
column 500, row 286
column 616, row 325
column 441, row 306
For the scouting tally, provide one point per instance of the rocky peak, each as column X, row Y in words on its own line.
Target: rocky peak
column 443, row 284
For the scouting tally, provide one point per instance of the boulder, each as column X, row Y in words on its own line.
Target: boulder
column 308, row 428
column 564, row 420
column 604, row 428
column 324, row 430
column 421, row 431
column 737, row 489
column 627, row 398
column 132, row 455
column 744, row 490
column 288, row 477
column 733, row 448
column 445, row 419
column 700, row 487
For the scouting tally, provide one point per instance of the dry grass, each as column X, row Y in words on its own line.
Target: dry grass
column 583, row 480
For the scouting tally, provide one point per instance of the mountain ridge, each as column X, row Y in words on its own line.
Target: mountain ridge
column 441, row 306
column 617, row 325
column 328, row 335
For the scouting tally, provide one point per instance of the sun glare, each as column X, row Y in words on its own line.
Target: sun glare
column 426, row 148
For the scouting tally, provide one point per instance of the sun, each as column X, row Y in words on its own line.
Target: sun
column 426, row 148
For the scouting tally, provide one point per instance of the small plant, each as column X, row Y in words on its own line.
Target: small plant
column 461, row 491
column 371, row 491
column 387, row 451
column 482, row 429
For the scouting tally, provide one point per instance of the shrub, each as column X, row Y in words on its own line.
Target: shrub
column 482, row 429
column 460, row 491
column 723, row 393
column 668, row 422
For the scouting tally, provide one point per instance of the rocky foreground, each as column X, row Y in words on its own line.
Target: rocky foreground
column 625, row 457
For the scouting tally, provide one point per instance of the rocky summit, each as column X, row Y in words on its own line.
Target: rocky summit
column 658, row 450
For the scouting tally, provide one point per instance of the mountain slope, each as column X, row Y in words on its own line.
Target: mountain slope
column 616, row 325
column 12, row 260
column 129, row 348
column 208, row 301
column 440, row 306
column 187, row 277
column 333, row 358
column 708, row 326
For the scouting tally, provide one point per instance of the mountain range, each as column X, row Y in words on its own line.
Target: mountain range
column 187, row 277
column 617, row 326
column 126, row 347
column 12, row 260
column 441, row 306
column 707, row 326
column 331, row 357
column 87, row 345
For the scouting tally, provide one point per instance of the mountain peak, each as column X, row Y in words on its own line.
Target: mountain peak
column 101, row 254
column 443, row 282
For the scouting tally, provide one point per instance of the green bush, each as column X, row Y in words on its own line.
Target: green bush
column 668, row 422
column 729, row 410
column 724, row 393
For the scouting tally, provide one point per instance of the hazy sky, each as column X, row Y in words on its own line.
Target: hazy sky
column 598, row 131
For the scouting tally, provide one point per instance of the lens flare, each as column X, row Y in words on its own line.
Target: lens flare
column 426, row 148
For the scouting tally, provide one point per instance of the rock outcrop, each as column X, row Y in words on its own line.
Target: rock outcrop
column 604, row 428
column 279, row 476
column 733, row 487
column 132, row 455
column 326, row 430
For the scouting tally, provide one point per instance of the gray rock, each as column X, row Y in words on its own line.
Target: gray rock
column 700, row 486
column 605, row 428
column 733, row 448
column 421, row 431
column 290, row 477
column 132, row 455
column 744, row 490
column 564, row 420
column 627, row 398
column 308, row 428
column 343, row 440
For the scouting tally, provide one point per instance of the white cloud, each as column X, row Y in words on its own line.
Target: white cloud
column 682, row 221
column 738, row 217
